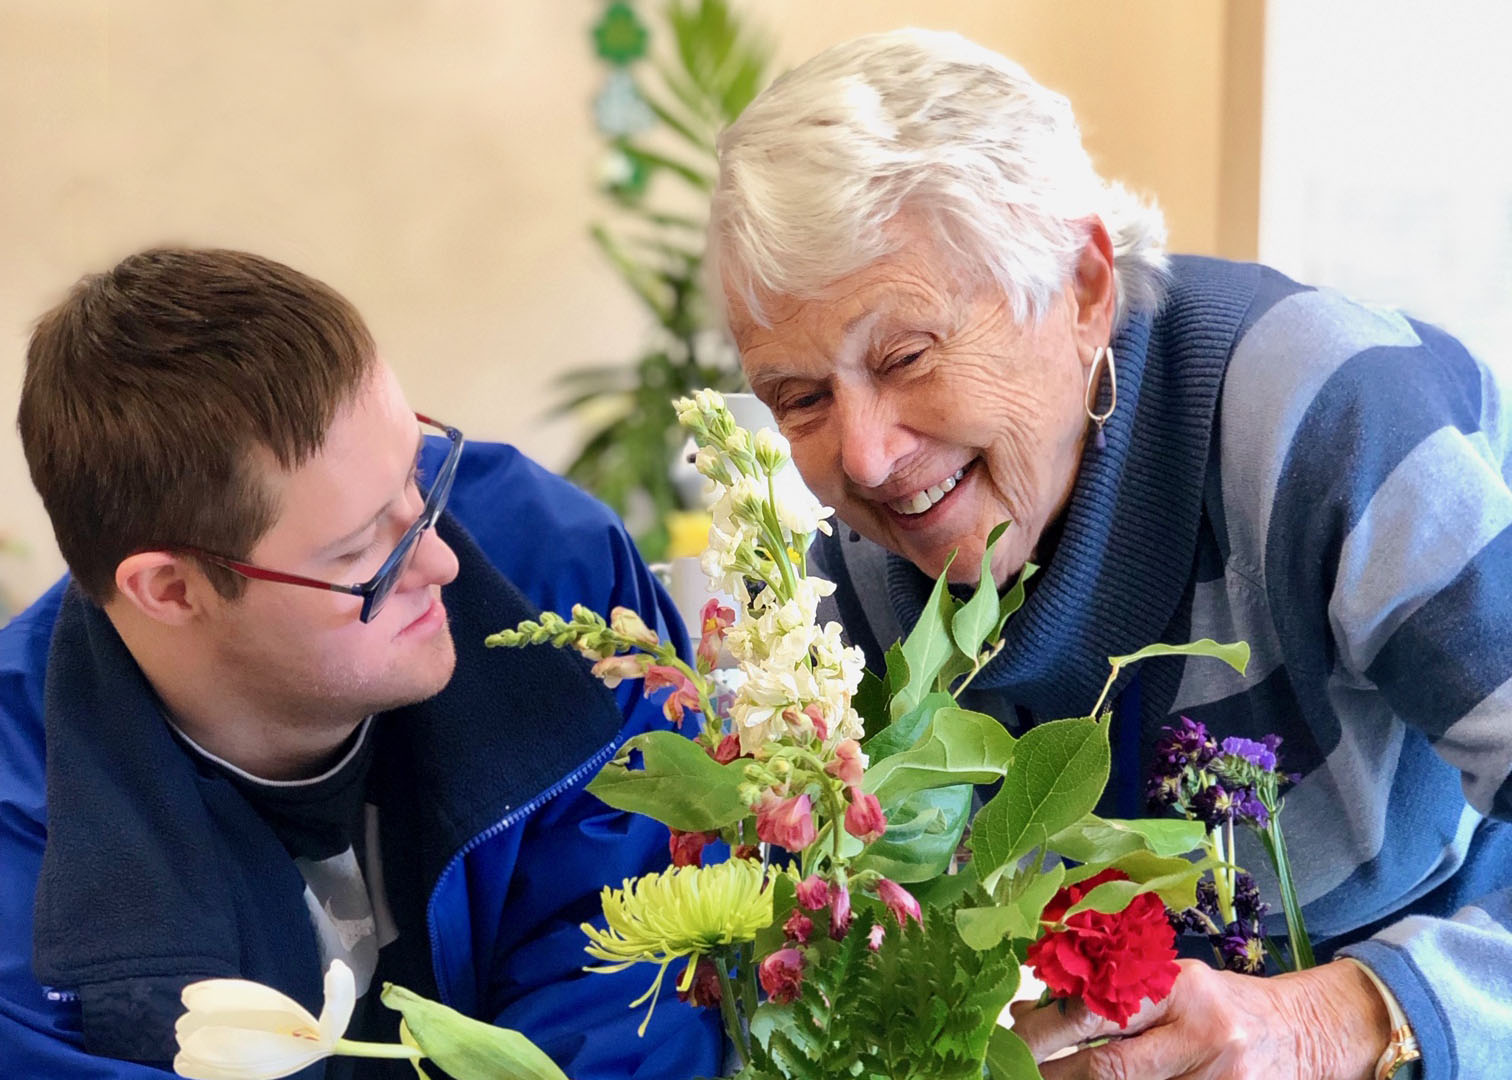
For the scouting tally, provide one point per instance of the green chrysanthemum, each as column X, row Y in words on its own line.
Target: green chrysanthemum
column 687, row 911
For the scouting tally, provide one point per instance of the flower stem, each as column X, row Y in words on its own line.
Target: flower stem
column 1221, row 884
column 1107, row 686
column 748, row 983
column 353, row 1048
column 981, row 662
column 1296, row 928
column 728, row 1011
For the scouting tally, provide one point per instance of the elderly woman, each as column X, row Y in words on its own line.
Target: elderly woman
column 957, row 322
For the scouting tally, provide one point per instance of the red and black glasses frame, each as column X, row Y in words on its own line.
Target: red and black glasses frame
column 376, row 589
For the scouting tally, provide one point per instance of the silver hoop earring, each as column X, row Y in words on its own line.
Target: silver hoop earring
column 1094, row 385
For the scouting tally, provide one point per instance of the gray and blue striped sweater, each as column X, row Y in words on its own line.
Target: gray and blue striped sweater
column 1329, row 482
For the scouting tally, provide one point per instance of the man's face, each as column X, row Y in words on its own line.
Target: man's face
column 306, row 652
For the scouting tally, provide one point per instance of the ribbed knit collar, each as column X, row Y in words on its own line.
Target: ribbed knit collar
column 1126, row 553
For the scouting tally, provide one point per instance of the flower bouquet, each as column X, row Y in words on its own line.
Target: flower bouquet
column 857, row 928
column 866, row 922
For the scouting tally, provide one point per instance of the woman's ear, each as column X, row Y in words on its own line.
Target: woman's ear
column 1094, row 290
column 164, row 586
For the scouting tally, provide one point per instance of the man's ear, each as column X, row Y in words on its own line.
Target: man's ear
column 164, row 586
column 1094, row 289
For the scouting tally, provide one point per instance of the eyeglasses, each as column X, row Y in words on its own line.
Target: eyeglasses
column 376, row 589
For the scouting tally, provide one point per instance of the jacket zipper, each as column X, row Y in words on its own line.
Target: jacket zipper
column 572, row 779
column 57, row 996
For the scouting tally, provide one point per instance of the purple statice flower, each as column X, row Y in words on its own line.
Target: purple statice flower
column 1207, row 900
column 1257, row 754
column 1215, row 806
column 1247, row 903
column 1186, row 743
column 1242, row 949
column 1164, row 788
column 1248, row 808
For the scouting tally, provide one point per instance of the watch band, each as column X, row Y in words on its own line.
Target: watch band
column 1397, row 1061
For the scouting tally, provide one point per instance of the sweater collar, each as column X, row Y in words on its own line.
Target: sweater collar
column 1130, row 527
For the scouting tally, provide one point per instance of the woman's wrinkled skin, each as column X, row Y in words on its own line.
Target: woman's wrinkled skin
column 908, row 373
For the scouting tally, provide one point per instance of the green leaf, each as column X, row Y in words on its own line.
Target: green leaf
column 976, row 618
column 468, row 1048
column 927, row 646
column 771, row 937
column 1057, row 775
column 946, row 889
column 1012, row 600
column 897, row 671
column 960, row 747
column 1100, row 840
column 870, row 703
column 1009, row 1057
column 1174, row 879
column 957, row 665
column 1235, row 654
column 985, row 927
column 680, row 785
column 922, row 835
column 903, row 732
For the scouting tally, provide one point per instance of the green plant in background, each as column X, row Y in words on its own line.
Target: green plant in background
column 660, row 111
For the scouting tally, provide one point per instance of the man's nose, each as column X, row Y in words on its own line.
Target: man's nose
column 434, row 562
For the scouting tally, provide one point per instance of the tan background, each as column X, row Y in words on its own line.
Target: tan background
column 433, row 159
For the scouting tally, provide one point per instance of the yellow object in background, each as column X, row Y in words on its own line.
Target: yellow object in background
column 687, row 533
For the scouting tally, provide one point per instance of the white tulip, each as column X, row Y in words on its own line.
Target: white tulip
column 233, row 1029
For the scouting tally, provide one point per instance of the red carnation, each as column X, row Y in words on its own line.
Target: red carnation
column 1112, row 962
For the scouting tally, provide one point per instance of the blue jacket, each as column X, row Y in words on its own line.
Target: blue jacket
column 127, row 870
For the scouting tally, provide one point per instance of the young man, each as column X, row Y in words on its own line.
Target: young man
column 258, row 730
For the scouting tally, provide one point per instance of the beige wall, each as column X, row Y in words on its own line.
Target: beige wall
column 433, row 160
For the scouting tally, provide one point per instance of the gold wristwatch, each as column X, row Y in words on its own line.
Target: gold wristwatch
column 1398, row 1060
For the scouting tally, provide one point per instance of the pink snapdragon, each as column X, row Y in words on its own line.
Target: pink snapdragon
column 899, row 901
column 613, row 670
column 863, row 817
column 704, row 991
column 628, row 624
column 840, row 911
column 714, row 621
column 816, row 717
column 781, row 975
column 727, row 750
column 684, row 694
column 687, row 847
column 798, row 927
column 813, row 893
column 788, row 823
column 848, row 763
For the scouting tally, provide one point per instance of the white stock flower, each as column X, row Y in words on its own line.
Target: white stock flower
column 709, row 400
column 709, row 464
column 797, row 509
column 772, row 450
column 233, row 1029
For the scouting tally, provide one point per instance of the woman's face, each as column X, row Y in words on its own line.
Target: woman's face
column 922, row 411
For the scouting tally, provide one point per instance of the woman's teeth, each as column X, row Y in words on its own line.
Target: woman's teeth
column 921, row 501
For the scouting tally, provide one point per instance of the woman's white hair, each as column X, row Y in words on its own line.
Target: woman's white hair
column 815, row 168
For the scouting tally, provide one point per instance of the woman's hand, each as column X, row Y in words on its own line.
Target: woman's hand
column 1327, row 1023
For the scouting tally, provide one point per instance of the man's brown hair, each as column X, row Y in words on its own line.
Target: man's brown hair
column 150, row 389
